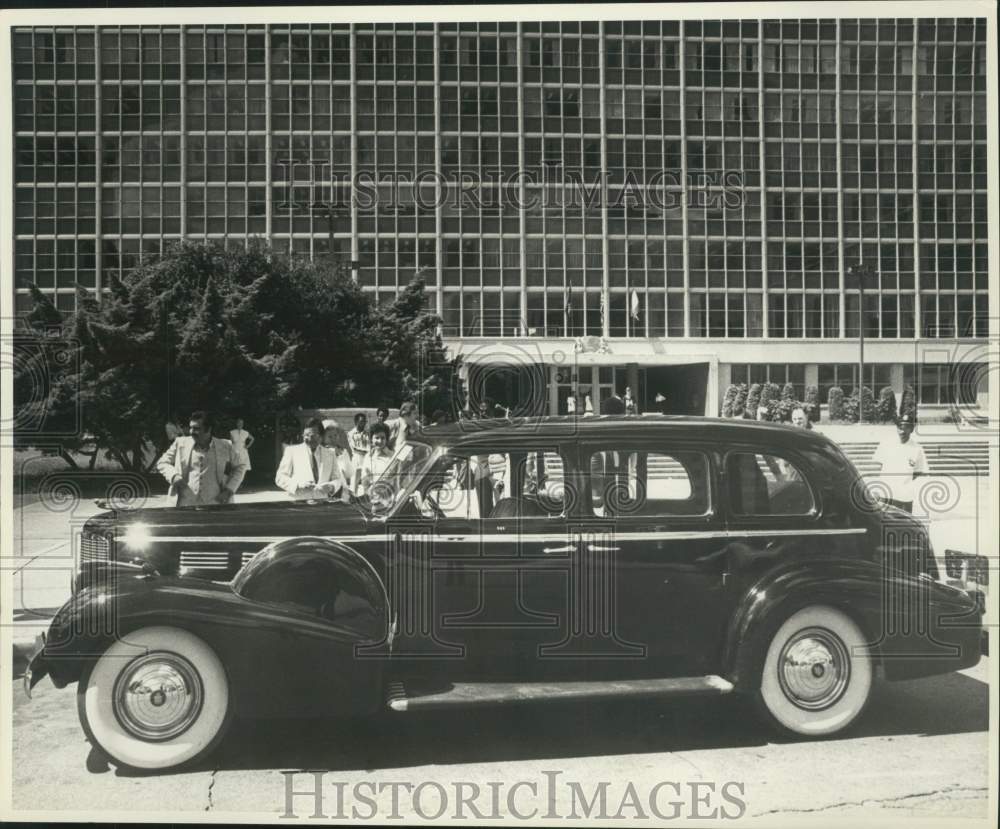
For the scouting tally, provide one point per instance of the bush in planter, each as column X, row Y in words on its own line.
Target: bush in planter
column 728, row 400
column 740, row 403
column 885, row 410
column 811, row 403
column 781, row 412
column 769, row 399
column 863, row 401
column 908, row 403
column 835, row 403
column 788, row 392
column 753, row 402
column 764, row 405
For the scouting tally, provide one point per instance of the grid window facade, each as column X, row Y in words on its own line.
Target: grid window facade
column 779, row 373
column 548, row 179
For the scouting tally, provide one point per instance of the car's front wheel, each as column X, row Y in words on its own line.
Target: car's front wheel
column 155, row 700
column 817, row 674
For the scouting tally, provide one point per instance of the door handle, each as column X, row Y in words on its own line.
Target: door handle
column 569, row 548
column 600, row 548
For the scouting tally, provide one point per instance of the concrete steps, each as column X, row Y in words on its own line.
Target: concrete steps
column 955, row 457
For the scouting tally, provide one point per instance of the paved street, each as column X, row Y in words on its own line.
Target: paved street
column 920, row 750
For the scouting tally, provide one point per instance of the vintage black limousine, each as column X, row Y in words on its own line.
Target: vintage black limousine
column 513, row 561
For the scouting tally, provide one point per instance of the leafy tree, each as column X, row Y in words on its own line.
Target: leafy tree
column 811, row 403
column 753, row 401
column 729, row 400
column 769, row 398
column 862, row 401
column 244, row 332
column 835, row 404
column 908, row 403
column 740, row 403
column 885, row 410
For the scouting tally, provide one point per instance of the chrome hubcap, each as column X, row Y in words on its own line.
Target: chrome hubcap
column 814, row 669
column 158, row 696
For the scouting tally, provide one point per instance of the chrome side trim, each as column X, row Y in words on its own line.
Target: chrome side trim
column 528, row 536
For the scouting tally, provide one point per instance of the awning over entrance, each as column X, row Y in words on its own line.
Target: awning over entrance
column 587, row 351
column 537, row 376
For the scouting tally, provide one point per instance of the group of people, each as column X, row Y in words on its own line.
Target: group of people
column 328, row 463
column 332, row 464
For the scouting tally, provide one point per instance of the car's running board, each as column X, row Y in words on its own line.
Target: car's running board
column 412, row 694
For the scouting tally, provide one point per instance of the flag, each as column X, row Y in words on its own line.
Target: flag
column 635, row 305
column 602, row 309
column 568, row 309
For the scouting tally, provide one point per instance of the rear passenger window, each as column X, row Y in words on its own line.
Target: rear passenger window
column 654, row 484
column 762, row 484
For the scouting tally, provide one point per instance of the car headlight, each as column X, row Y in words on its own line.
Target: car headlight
column 137, row 537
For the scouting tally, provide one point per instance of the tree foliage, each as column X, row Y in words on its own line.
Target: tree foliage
column 886, row 406
column 835, row 404
column 241, row 332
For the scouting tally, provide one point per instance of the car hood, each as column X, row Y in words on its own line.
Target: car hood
column 264, row 520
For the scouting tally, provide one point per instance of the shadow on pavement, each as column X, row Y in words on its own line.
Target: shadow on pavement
column 950, row 704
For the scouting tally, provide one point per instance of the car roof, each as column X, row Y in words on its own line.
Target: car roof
column 599, row 427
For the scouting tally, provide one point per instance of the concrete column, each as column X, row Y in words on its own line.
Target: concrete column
column 553, row 390
column 712, row 393
column 632, row 379
column 725, row 379
column 812, row 374
column 896, row 380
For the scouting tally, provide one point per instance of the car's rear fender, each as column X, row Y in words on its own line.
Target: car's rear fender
column 909, row 622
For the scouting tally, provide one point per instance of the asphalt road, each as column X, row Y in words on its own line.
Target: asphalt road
column 919, row 750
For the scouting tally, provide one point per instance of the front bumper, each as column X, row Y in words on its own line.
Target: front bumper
column 37, row 668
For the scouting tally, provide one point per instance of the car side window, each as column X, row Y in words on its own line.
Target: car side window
column 766, row 484
column 632, row 482
column 455, row 488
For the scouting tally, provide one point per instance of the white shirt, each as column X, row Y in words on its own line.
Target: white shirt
column 900, row 462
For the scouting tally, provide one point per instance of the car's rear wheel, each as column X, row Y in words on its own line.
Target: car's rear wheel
column 158, row 699
column 817, row 674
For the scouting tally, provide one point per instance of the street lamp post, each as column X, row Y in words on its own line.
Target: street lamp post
column 862, row 272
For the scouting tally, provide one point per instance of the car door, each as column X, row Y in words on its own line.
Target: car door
column 504, row 563
column 653, row 528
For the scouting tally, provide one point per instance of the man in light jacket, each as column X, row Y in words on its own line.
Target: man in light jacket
column 202, row 469
column 309, row 470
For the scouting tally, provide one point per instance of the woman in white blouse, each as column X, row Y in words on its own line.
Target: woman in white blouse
column 242, row 440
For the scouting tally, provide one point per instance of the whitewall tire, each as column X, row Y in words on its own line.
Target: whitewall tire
column 817, row 674
column 155, row 700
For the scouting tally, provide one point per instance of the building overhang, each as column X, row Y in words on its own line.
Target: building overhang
column 663, row 352
column 589, row 351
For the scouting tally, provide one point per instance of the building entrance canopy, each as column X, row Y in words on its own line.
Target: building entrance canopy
column 538, row 376
column 585, row 351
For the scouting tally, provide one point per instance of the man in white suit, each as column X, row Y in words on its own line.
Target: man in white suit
column 202, row 469
column 309, row 470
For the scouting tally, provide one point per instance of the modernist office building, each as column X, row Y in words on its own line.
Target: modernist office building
column 732, row 173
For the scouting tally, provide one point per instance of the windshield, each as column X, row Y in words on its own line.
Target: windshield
column 391, row 486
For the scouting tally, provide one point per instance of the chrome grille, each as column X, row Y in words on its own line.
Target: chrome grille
column 198, row 560
column 94, row 547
